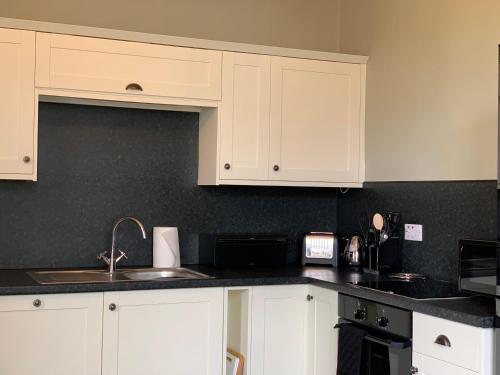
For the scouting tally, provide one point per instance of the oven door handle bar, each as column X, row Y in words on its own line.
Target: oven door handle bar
column 389, row 343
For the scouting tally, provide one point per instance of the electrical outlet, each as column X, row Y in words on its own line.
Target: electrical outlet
column 413, row 232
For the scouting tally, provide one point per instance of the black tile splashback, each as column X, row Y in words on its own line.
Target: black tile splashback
column 448, row 211
column 97, row 164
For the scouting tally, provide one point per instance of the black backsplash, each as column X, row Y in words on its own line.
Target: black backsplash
column 97, row 164
column 448, row 212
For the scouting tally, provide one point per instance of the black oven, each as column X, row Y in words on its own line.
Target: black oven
column 374, row 338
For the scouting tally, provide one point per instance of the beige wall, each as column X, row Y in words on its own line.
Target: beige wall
column 431, row 88
column 311, row 24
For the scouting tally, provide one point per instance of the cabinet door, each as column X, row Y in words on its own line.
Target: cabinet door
column 17, row 103
column 119, row 67
column 51, row 334
column 315, row 121
column 279, row 330
column 432, row 366
column 322, row 341
column 244, row 144
column 177, row 331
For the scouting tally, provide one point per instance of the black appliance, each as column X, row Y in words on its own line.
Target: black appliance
column 243, row 249
column 386, row 348
column 419, row 289
column 478, row 266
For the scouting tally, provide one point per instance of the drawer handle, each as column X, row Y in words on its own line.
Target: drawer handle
column 37, row 303
column 133, row 87
column 443, row 341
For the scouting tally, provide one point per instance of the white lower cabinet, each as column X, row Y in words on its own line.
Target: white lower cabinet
column 432, row 366
column 292, row 330
column 442, row 347
column 56, row 334
column 176, row 331
column 322, row 338
column 280, row 329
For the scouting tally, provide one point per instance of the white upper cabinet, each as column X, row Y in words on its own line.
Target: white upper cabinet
column 17, row 104
column 315, row 121
column 118, row 67
column 244, row 151
column 176, row 331
column 57, row 334
column 288, row 121
column 264, row 120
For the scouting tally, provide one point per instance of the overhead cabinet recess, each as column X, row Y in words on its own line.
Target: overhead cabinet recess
column 264, row 120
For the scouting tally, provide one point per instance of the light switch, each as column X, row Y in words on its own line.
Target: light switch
column 413, row 232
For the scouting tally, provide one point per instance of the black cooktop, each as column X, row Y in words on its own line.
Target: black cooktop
column 416, row 289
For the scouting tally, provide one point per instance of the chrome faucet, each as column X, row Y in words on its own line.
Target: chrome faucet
column 111, row 261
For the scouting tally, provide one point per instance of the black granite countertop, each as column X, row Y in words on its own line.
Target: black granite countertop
column 476, row 311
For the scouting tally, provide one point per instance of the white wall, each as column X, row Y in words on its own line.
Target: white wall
column 311, row 24
column 431, row 88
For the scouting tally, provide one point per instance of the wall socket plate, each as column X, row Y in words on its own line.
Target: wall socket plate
column 413, row 232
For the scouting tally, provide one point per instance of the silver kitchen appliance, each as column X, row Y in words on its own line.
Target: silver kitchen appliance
column 320, row 248
column 354, row 252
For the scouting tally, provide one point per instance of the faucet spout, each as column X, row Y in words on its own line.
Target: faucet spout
column 112, row 259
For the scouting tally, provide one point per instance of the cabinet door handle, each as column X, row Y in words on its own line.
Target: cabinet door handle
column 112, row 307
column 276, row 168
column 309, row 297
column 37, row 303
column 26, row 159
column 133, row 87
column 443, row 341
column 227, row 166
column 414, row 370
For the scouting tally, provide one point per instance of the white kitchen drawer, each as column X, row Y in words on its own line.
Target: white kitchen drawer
column 103, row 65
column 466, row 341
column 432, row 366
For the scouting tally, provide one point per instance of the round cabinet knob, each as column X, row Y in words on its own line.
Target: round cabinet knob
column 26, row 159
column 309, row 297
column 414, row 370
column 360, row 314
column 227, row 166
column 276, row 168
column 112, row 307
column 37, row 303
column 382, row 321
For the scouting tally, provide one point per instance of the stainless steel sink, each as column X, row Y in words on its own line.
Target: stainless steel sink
column 120, row 275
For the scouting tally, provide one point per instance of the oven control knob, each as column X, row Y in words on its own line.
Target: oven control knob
column 382, row 321
column 360, row 314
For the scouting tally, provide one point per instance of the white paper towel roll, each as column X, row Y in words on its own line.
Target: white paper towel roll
column 166, row 247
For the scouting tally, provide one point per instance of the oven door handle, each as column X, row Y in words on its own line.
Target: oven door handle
column 389, row 343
